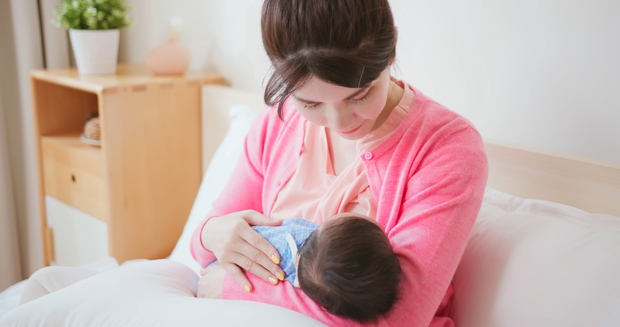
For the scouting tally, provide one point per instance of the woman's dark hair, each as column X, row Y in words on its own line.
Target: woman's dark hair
column 344, row 42
column 349, row 268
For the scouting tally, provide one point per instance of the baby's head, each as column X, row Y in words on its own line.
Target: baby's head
column 348, row 267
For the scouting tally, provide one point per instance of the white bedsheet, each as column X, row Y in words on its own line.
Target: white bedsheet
column 9, row 298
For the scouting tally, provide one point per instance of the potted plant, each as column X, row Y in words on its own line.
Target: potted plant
column 94, row 31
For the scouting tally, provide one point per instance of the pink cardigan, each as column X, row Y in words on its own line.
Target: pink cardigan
column 428, row 178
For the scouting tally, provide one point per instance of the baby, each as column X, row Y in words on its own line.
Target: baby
column 346, row 265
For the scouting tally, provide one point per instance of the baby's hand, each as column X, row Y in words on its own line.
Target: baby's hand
column 210, row 284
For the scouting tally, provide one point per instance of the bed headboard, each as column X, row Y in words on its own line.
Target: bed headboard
column 584, row 183
column 216, row 99
column 589, row 184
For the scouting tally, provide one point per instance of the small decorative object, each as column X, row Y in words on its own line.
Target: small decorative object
column 92, row 130
column 94, row 31
column 170, row 58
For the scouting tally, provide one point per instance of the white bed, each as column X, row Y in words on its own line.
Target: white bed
column 528, row 262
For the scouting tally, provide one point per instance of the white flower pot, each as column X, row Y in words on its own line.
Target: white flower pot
column 95, row 51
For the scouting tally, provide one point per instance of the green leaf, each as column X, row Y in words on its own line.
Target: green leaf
column 92, row 14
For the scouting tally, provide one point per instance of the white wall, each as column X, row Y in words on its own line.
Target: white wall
column 537, row 73
column 222, row 36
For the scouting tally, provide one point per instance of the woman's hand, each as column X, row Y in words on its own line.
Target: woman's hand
column 237, row 246
column 210, row 284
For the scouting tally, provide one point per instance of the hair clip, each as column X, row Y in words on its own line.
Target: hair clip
column 362, row 74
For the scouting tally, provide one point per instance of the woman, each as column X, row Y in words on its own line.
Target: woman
column 345, row 136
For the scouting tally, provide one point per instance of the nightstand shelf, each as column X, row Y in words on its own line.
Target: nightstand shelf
column 140, row 184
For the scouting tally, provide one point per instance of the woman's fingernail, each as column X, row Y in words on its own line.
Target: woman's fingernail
column 247, row 288
column 273, row 280
column 280, row 275
column 275, row 259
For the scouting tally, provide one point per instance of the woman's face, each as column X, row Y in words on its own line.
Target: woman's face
column 350, row 112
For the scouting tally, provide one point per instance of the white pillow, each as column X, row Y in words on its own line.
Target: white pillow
column 217, row 174
column 151, row 293
column 537, row 263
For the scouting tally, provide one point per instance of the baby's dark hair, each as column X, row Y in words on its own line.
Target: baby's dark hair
column 348, row 267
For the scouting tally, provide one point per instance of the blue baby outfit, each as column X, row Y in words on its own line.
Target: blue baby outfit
column 299, row 228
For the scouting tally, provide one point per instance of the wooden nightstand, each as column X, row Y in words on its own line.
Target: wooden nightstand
column 130, row 197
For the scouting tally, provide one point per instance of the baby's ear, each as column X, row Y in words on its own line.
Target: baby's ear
column 294, row 256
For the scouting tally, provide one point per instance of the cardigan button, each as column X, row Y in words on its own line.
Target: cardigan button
column 368, row 155
column 278, row 184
